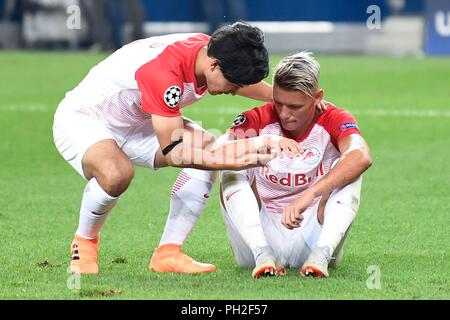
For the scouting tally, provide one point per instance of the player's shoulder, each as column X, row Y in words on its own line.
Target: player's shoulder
column 258, row 117
column 249, row 123
column 338, row 122
column 333, row 113
column 199, row 37
column 171, row 38
column 187, row 40
column 192, row 36
column 173, row 53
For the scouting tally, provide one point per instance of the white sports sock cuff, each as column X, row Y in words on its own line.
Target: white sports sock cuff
column 202, row 175
column 98, row 193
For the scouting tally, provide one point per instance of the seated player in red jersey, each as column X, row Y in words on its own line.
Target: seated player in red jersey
column 295, row 211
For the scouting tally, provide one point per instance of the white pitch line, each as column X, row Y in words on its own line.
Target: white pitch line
column 425, row 113
column 403, row 113
column 371, row 113
column 29, row 107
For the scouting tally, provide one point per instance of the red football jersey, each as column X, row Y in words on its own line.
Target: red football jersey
column 282, row 180
column 149, row 76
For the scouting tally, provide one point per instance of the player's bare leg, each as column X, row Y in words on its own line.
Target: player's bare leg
column 109, row 172
column 188, row 198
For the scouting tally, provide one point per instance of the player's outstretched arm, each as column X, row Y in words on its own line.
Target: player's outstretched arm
column 181, row 150
column 355, row 159
column 261, row 91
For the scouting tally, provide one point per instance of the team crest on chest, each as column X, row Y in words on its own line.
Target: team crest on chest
column 239, row 120
column 172, row 96
column 312, row 156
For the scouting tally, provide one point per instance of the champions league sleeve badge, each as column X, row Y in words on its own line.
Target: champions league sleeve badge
column 348, row 125
column 172, row 96
column 239, row 120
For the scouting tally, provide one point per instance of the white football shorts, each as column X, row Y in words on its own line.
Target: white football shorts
column 291, row 247
column 74, row 133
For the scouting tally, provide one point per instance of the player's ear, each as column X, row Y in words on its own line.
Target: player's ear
column 318, row 96
column 214, row 64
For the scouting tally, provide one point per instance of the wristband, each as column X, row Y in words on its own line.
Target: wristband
column 169, row 148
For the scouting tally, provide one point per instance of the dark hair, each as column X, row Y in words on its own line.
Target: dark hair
column 241, row 54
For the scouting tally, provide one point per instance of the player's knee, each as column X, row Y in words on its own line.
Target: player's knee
column 117, row 178
column 230, row 178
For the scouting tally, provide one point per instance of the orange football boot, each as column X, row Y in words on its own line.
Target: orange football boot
column 268, row 268
column 312, row 271
column 84, row 254
column 317, row 263
column 170, row 258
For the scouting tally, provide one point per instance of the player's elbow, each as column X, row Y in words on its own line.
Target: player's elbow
column 365, row 160
column 367, row 163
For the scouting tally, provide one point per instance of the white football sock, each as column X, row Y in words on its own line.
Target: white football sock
column 340, row 211
column 242, row 207
column 189, row 194
column 95, row 206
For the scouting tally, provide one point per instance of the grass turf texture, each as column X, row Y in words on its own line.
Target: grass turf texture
column 402, row 224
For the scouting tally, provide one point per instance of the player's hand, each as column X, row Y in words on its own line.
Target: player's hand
column 283, row 146
column 321, row 107
column 290, row 148
column 293, row 213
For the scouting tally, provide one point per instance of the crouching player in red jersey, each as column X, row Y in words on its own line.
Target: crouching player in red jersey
column 296, row 211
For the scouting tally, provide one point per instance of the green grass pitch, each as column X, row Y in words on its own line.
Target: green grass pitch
column 402, row 228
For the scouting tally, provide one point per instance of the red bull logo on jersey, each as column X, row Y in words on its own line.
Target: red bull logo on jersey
column 291, row 179
column 312, row 156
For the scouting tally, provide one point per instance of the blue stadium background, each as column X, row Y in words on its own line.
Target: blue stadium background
column 270, row 10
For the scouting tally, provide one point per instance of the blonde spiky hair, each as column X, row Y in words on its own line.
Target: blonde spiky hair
column 300, row 72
